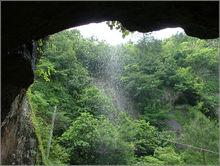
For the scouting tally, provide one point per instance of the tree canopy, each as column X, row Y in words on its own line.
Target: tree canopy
column 136, row 103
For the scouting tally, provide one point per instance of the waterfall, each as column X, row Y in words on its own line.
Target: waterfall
column 110, row 85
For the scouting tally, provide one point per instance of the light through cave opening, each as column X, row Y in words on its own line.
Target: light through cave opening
column 123, row 102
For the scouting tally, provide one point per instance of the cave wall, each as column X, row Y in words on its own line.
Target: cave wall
column 17, row 73
column 18, row 140
column 24, row 21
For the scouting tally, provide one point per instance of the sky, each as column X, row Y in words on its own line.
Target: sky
column 102, row 32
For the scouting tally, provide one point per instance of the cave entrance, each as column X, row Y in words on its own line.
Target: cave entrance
column 24, row 21
column 119, row 101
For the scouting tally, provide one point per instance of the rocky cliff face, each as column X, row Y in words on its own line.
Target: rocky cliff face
column 18, row 141
column 19, row 145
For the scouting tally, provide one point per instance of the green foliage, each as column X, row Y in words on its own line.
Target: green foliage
column 162, row 156
column 174, row 79
column 58, row 154
column 93, row 101
column 141, row 86
column 45, row 69
column 168, row 156
column 95, row 141
column 206, row 131
column 185, row 81
column 117, row 25
column 145, row 138
column 140, row 133
column 149, row 160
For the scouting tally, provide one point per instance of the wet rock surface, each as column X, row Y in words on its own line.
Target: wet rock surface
column 18, row 142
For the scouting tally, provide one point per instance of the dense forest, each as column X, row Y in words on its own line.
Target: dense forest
column 148, row 102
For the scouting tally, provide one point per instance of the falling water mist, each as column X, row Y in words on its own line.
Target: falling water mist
column 109, row 84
